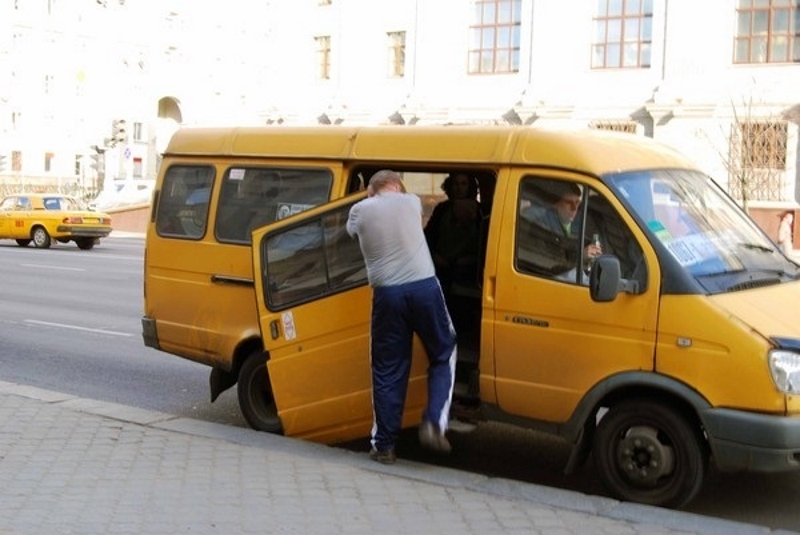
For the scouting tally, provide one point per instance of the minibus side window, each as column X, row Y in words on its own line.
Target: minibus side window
column 557, row 222
column 183, row 202
column 252, row 197
column 312, row 260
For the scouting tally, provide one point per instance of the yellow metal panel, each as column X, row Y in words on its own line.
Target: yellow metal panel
column 706, row 346
column 587, row 151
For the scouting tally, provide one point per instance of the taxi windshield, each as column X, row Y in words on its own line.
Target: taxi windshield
column 701, row 228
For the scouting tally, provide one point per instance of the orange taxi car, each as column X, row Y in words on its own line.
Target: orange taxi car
column 43, row 217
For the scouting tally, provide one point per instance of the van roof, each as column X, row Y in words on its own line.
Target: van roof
column 590, row 151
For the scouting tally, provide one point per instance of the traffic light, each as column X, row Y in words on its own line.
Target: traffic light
column 97, row 160
column 119, row 133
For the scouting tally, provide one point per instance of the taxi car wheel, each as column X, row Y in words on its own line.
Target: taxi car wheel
column 255, row 395
column 650, row 453
column 85, row 243
column 23, row 243
column 41, row 238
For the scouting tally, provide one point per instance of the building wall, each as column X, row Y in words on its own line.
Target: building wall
column 256, row 63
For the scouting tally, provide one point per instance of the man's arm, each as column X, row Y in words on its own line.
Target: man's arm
column 352, row 221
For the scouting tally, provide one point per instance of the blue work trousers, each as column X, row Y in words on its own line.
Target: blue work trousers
column 397, row 313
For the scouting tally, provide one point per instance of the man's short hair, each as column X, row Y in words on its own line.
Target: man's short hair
column 558, row 189
column 383, row 177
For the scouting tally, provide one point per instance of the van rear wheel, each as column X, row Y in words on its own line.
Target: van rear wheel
column 649, row 453
column 255, row 395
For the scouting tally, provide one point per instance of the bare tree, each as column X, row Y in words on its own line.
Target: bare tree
column 756, row 159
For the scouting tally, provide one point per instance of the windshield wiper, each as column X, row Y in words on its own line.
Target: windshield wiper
column 757, row 247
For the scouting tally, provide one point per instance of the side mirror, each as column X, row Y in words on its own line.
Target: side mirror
column 604, row 279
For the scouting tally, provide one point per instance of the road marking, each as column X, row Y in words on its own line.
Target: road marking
column 76, row 328
column 52, row 267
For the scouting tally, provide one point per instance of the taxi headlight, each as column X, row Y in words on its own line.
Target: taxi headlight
column 785, row 368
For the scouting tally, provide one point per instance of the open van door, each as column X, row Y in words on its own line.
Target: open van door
column 314, row 306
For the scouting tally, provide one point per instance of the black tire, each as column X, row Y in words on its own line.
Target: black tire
column 85, row 244
column 23, row 243
column 41, row 239
column 649, row 453
column 255, row 395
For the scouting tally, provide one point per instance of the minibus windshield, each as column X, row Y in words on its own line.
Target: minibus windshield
column 701, row 228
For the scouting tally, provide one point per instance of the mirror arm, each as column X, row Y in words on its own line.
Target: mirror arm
column 630, row 286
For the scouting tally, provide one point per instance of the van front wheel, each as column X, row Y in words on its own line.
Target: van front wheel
column 255, row 395
column 649, row 453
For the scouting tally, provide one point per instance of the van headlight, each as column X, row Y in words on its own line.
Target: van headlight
column 785, row 368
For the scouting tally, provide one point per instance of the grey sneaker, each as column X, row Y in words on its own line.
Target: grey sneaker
column 383, row 457
column 433, row 439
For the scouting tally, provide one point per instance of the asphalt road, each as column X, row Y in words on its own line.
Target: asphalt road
column 70, row 322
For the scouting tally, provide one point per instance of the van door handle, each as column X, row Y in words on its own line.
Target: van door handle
column 227, row 279
column 274, row 331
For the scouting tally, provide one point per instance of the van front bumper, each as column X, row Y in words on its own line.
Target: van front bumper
column 746, row 441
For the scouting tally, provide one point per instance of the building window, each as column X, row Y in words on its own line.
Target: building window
column 623, row 34
column 324, row 56
column 48, row 162
column 767, row 31
column 629, row 127
column 758, row 160
column 397, row 54
column 16, row 160
column 494, row 37
column 138, row 131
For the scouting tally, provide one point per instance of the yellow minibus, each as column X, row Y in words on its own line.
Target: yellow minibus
column 673, row 349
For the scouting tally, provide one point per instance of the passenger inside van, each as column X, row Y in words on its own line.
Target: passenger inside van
column 453, row 233
column 550, row 211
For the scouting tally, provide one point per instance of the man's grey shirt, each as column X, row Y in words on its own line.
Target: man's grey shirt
column 389, row 230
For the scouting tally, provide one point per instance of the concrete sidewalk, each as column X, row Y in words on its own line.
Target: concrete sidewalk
column 76, row 466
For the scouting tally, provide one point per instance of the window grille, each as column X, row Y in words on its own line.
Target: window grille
column 629, row 127
column 758, row 160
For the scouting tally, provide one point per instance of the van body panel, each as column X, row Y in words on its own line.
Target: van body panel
column 705, row 345
column 197, row 317
column 598, row 153
column 769, row 310
column 588, row 151
column 552, row 343
column 277, row 143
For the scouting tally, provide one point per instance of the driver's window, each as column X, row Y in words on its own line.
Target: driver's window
column 563, row 225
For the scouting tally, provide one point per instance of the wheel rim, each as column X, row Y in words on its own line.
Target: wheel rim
column 644, row 457
column 39, row 237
